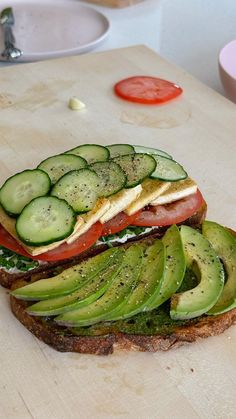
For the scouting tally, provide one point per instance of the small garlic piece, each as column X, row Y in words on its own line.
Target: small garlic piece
column 75, row 104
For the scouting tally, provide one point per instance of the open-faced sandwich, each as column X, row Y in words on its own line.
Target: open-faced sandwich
column 107, row 247
column 76, row 204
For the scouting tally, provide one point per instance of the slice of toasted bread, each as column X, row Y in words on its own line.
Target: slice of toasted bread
column 110, row 339
column 106, row 337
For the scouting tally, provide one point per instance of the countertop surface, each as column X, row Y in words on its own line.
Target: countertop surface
column 196, row 381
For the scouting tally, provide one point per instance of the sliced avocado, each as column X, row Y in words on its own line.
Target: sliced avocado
column 66, row 282
column 85, row 295
column 175, row 266
column 148, row 284
column 225, row 246
column 199, row 300
column 119, row 288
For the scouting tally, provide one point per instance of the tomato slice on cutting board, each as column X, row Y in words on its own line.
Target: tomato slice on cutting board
column 174, row 213
column 147, row 90
column 118, row 223
column 64, row 251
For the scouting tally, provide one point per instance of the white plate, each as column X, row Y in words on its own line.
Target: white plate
column 48, row 29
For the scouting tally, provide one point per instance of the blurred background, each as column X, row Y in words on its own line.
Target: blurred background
column 190, row 33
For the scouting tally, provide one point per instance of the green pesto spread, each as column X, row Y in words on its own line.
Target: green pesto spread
column 10, row 260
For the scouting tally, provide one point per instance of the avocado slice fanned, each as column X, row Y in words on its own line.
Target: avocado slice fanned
column 121, row 286
column 149, row 283
column 175, row 266
column 225, row 246
column 66, row 282
column 203, row 297
column 92, row 289
column 123, row 282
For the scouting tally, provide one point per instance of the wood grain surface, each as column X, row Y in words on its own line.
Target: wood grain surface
column 198, row 129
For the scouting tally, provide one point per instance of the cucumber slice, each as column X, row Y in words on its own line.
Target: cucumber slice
column 148, row 150
column 91, row 152
column 57, row 166
column 112, row 177
column 120, row 150
column 80, row 188
column 137, row 167
column 168, row 170
column 21, row 188
column 45, row 220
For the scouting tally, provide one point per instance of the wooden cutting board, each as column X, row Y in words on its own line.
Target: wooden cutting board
column 198, row 129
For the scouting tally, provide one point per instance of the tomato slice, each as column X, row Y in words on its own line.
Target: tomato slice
column 6, row 240
column 147, row 90
column 174, row 213
column 64, row 251
column 84, row 242
column 118, row 223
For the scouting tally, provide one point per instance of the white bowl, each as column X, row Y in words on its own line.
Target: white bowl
column 227, row 69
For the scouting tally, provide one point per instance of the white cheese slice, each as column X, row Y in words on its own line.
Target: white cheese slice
column 120, row 201
column 90, row 218
column 9, row 224
column 176, row 191
column 151, row 189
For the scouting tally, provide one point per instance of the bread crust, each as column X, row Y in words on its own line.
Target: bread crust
column 47, row 269
column 205, row 327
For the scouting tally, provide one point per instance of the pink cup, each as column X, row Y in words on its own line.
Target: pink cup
column 227, row 69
